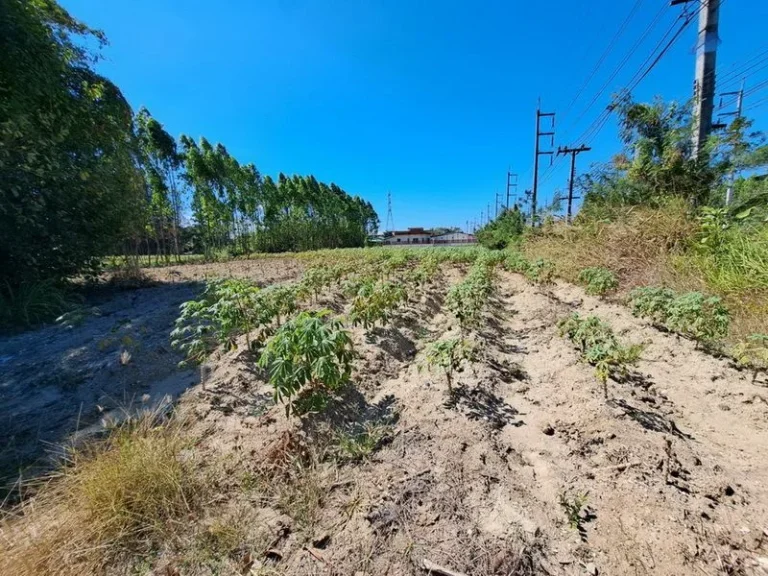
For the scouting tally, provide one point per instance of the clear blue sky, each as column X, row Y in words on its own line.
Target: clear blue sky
column 431, row 100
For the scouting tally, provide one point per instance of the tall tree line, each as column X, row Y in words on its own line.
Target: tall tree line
column 83, row 176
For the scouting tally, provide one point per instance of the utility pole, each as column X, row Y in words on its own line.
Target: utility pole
column 528, row 195
column 706, row 61
column 499, row 196
column 488, row 214
column 511, row 185
column 539, row 152
column 739, row 103
column 573, row 152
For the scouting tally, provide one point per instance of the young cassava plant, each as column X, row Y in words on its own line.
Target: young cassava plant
column 598, row 281
column 449, row 356
column 308, row 358
column 599, row 346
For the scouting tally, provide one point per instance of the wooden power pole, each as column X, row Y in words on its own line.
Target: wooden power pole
column 573, row 152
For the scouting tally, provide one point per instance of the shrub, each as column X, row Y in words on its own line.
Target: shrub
column 599, row 346
column 516, row 262
column 598, row 281
column 449, row 356
column 307, row 358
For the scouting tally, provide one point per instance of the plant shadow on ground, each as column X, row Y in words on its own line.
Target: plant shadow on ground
column 632, row 378
column 393, row 342
column 481, row 404
column 649, row 420
column 349, row 412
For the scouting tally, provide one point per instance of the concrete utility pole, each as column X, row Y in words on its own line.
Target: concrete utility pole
column 739, row 104
column 488, row 214
column 511, row 185
column 539, row 152
column 706, row 61
column 499, row 196
column 573, row 152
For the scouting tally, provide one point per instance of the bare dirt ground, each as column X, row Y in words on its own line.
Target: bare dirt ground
column 70, row 379
column 670, row 471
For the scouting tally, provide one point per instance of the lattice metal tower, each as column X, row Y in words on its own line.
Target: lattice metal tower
column 390, row 226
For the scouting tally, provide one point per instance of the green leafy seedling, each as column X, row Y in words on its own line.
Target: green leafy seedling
column 449, row 356
column 598, row 281
column 307, row 359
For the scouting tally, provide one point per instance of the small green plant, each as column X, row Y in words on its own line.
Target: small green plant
column 693, row 314
column 573, row 505
column 540, row 272
column 598, row 281
column 376, row 303
column 651, row 302
column 599, row 346
column 356, row 446
column 226, row 309
column 309, row 357
column 752, row 353
column 315, row 279
column 516, row 262
column 467, row 299
column 697, row 316
column 450, row 356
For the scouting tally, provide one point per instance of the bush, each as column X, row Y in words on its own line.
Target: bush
column 467, row 299
column 752, row 353
column 599, row 346
column 598, row 281
column 309, row 357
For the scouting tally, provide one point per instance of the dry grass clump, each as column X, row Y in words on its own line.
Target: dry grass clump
column 121, row 498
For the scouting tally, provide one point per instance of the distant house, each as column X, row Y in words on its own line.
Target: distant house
column 454, row 238
column 410, row 236
column 422, row 236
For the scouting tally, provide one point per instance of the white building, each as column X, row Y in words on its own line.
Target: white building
column 410, row 236
column 421, row 236
column 454, row 238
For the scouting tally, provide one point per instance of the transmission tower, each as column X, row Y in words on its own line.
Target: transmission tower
column 390, row 226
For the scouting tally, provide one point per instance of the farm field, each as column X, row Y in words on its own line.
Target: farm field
column 471, row 435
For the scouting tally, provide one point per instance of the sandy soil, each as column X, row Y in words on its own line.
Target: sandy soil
column 671, row 469
column 66, row 381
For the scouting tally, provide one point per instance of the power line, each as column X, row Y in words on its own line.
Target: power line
column 605, row 54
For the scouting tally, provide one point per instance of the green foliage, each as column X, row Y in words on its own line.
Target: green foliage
column 375, row 302
column 503, row 231
column 449, row 356
column 572, row 506
column 32, row 302
column 69, row 181
column 516, row 262
column 703, row 318
column 226, row 310
column 697, row 316
column 357, row 446
column 316, row 279
column 309, row 357
column 651, row 302
column 599, row 346
column 467, row 299
column 540, row 272
column 598, row 281
column 752, row 352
